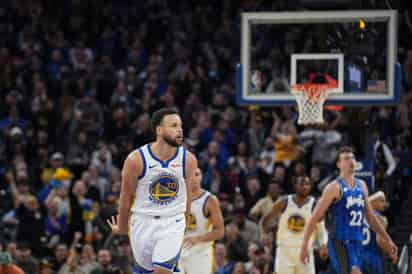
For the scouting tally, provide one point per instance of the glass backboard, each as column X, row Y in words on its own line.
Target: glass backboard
column 354, row 49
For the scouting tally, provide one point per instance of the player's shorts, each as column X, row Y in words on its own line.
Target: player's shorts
column 197, row 261
column 371, row 262
column 156, row 241
column 288, row 261
column 344, row 255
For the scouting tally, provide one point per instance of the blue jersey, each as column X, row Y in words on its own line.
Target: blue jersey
column 369, row 237
column 371, row 255
column 348, row 212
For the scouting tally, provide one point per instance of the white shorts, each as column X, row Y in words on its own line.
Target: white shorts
column 196, row 262
column 156, row 242
column 288, row 261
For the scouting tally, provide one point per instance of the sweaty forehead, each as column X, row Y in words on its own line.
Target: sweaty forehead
column 171, row 119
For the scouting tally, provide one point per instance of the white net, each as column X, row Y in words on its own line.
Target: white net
column 310, row 100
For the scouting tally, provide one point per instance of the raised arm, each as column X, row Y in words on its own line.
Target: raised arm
column 190, row 173
column 132, row 169
column 277, row 209
column 17, row 199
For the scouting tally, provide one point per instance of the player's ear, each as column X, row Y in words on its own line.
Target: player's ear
column 158, row 130
column 338, row 162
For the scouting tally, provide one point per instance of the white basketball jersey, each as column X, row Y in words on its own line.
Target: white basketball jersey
column 198, row 223
column 292, row 223
column 161, row 188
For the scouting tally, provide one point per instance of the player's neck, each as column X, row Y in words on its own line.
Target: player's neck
column 300, row 200
column 162, row 150
column 349, row 178
column 197, row 193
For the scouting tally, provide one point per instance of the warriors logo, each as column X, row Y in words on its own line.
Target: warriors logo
column 164, row 189
column 296, row 223
column 191, row 222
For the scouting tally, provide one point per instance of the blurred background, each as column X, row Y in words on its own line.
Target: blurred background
column 78, row 82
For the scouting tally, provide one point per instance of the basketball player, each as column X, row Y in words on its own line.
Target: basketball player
column 294, row 211
column 205, row 225
column 159, row 175
column 373, row 244
column 347, row 197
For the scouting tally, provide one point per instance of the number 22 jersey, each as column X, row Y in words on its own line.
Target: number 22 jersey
column 348, row 212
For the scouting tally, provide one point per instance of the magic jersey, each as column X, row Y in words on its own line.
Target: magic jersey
column 348, row 212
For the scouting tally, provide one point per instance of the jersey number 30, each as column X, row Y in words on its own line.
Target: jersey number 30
column 357, row 218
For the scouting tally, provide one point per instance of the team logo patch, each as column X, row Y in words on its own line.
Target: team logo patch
column 296, row 223
column 164, row 188
column 191, row 222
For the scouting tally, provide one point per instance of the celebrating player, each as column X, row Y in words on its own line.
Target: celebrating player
column 159, row 175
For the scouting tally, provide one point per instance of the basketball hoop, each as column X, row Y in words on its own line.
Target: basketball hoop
column 310, row 99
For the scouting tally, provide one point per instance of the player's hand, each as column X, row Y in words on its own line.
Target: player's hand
column 304, row 254
column 189, row 242
column 393, row 251
column 113, row 222
column 323, row 252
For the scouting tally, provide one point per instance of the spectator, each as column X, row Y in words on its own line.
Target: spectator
column 45, row 267
column 61, row 254
column 286, row 145
column 123, row 258
column 267, row 156
column 261, row 262
column 7, row 266
column 12, row 250
column 25, row 259
column 235, row 243
column 56, row 161
column 102, row 160
column 255, row 134
column 223, row 265
column 55, row 225
column 141, row 126
column 253, row 191
column 78, row 152
column 30, row 227
column 264, row 205
column 239, row 268
column 247, row 228
column 104, row 260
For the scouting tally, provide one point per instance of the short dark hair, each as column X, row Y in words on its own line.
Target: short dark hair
column 158, row 116
column 344, row 149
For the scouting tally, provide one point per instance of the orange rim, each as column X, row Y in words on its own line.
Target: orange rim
column 336, row 108
column 314, row 91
